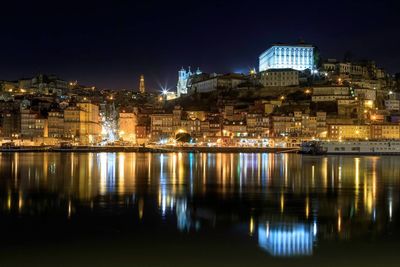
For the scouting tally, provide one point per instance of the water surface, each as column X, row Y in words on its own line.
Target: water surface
column 177, row 209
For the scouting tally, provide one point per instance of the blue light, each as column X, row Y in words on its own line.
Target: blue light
column 286, row 240
column 298, row 57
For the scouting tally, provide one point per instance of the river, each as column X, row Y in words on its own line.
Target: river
column 198, row 209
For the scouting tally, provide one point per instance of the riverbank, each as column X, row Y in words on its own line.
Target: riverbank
column 158, row 149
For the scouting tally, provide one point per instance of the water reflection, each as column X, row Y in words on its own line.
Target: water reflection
column 288, row 202
column 284, row 240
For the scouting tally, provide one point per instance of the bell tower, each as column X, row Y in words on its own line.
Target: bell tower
column 141, row 85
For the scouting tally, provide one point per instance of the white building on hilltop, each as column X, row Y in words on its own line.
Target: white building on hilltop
column 283, row 56
column 183, row 79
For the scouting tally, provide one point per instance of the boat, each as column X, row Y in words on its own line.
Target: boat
column 371, row 147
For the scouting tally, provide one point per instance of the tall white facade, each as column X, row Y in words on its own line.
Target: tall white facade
column 183, row 79
column 299, row 57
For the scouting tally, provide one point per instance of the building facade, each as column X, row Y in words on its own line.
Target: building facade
column 127, row 122
column 56, row 123
column 280, row 56
column 183, row 80
column 218, row 82
column 279, row 77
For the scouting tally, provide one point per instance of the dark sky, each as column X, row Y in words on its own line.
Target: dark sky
column 110, row 43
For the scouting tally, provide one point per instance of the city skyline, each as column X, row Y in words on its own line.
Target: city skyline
column 111, row 45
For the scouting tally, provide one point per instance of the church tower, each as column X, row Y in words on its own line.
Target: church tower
column 182, row 81
column 141, row 84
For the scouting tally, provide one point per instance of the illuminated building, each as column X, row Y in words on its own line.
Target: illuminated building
column 56, row 123
column 183, row 80
column 141, row 133
column 196, row 114
column 42, row 84
column 282, row 56
column 257, row 125
column 279, row 77
column 127, row 126
column 376, row 131
column 348, row 131
column 298, row 124
column 33, row 124
column 330, row 93
column 161, row 125
column 385, row 131
column 11, row 123
column 72, row 121
column 361, row 70
column 234, row 128
column 8, row 86
column 366, row 94
column 82, row 122
column 392, row 104
column 141, row 84
column 165, row 125
column 215, row 82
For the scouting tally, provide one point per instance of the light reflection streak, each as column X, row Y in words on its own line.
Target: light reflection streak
column 121, row 173
column 251, row 226
column 286, row 240
column 103, row 173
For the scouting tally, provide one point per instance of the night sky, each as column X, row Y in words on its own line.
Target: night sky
column 109, row 44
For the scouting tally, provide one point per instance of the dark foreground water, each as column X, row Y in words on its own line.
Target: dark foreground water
column 127, row 209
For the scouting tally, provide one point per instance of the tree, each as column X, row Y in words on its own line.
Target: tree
column 183, row 137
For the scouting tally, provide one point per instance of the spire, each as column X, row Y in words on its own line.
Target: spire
column 141, row 84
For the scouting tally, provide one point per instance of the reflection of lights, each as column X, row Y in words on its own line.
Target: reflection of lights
column 107, row 171
column 182, row 215
column 163, row 204
column 251, row 226
column 313, row 175
column 357, row 175
column 339, row 221
column 285, row 240
column 20, row 201
column 103, row 172
column 9, row 201
column 307, row 207
column 108, row 128
column 141, row 205
column 111, row 159
column 282, row 202
column 121, row 173
column 315, row 228
column 69, row 209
